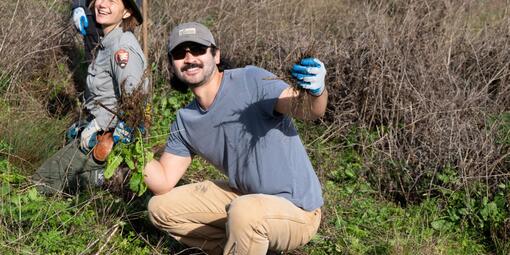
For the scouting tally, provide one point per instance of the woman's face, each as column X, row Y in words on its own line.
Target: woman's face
column 110, row 13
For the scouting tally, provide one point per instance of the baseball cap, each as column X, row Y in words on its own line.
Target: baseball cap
column 190, row 32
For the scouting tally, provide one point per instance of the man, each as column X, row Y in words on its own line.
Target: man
column 85, row 23
column 239, row 122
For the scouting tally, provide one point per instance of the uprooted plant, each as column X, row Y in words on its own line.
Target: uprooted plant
column 135, row 110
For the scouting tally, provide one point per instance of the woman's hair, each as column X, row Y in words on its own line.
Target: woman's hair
column 182, row 87
column 128, row 24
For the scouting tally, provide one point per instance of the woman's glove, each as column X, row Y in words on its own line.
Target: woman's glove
column 122, row 133
column 80, row 20
column 89, row 136
column 310, row 73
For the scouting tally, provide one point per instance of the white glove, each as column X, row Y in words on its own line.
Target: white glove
column 310, row 73
column 80, row 20
column 89, row 136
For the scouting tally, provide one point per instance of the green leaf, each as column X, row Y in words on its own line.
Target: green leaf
column 139, row 147
column 33, row 195
column 441, row 225
column 350, row 173
column 111, row 166
column 149, row 156
column 135, row 180
column 142, row 188
column 6, row 189
column 130, row 163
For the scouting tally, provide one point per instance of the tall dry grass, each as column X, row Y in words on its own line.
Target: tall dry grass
column 429, row 78
column 33, row 65
column 31, row 39
column 426, row 76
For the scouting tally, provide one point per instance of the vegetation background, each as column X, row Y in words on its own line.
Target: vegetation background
column 413, row 153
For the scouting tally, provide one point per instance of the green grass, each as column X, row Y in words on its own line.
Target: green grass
column 32, row 136
column 31, row 223
column 356, row 218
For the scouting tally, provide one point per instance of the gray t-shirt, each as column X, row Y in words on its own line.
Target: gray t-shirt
column 241, row 134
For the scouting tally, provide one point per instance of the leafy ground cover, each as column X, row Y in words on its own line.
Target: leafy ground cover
column 356, row 218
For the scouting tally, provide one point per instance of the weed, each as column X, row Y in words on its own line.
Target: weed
column 135, row 155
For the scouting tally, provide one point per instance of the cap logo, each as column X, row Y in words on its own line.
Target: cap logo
column 188, row 31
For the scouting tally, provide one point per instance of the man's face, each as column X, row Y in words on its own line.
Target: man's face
column 194, row 63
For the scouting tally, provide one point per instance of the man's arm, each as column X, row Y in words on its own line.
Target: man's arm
column 307, row 108
column 162, row 176
column 310, row 74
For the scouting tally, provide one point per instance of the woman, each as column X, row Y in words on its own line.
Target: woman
column 117, row 68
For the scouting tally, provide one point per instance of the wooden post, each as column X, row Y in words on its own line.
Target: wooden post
column 145, row 25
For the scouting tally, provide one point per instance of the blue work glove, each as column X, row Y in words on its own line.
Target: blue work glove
column 89, row 136
column 80, row 20
column 310, row 73
column 74, row 130
column 122, row 133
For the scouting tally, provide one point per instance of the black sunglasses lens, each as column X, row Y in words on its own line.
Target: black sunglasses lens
column 178, row 54
column 195, row 50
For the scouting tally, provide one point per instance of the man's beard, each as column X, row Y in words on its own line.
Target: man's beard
column 207, row 75
column 181, row 85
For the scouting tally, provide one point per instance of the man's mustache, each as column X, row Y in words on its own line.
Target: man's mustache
column 188, row 66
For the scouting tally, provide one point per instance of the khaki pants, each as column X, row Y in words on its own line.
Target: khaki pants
column 217, row 219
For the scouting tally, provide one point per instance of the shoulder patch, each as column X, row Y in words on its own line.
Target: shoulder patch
column 122, row 57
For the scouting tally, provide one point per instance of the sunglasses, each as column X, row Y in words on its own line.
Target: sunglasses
column 195, row 50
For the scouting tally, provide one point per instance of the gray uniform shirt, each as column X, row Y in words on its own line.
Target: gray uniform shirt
column 241, row 134
column 107, row 73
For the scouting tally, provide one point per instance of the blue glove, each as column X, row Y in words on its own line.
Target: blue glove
column 74, row 130
column 80, row 20
column 89, row 136
column 122, row 133
column 310, row 73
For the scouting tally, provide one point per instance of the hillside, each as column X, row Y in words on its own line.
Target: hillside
column 413, row 153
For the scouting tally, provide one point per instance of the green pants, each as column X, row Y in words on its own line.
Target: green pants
column 68, row 170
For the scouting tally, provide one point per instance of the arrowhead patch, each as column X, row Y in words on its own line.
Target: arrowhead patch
column 122, row 57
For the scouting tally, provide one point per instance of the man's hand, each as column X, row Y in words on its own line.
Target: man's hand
column 122, row 133
column 89, row 136
column 310, row 73
column 80, row 20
